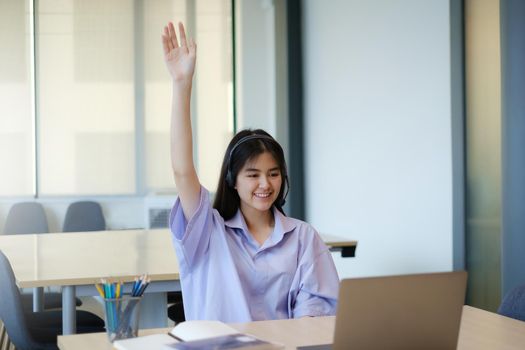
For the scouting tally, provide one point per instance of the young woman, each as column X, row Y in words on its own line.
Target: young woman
column 241, row 259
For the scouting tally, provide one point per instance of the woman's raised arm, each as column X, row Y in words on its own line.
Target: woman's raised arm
column 180, row 60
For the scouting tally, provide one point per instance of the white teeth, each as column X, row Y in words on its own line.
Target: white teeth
column 262, row 195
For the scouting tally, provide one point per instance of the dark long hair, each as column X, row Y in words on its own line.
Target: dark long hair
column 227, row 199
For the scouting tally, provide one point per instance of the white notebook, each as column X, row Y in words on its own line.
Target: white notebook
column 191, row 335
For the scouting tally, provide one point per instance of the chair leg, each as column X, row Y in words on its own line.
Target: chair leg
column 3, row 336
column 5, row 343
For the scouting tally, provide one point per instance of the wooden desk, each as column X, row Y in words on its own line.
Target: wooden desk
column 76, row 261
column 479, row 330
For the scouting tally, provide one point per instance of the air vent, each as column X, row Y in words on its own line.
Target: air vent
column 158, row 217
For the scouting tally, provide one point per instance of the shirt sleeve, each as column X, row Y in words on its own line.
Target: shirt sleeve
column 319, row 285
column 191, row 238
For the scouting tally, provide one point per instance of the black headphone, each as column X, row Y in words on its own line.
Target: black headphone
column 230, row 180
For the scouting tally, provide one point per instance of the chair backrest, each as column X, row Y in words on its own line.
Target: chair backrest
column 26, row 217
column 84, row 216
column 11, row 311
column 513, row 305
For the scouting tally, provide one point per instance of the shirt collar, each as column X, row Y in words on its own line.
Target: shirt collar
column 283, row 225
column 237, row 221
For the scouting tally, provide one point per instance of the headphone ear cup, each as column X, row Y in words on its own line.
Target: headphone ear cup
column 286, row 190
column 229, row 180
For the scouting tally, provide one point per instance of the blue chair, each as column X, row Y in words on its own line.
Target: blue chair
column 84, row 216
column 513, row 305
column 34, row 330
column 28, row 218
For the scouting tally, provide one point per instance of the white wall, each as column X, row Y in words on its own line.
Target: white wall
column 378, row 131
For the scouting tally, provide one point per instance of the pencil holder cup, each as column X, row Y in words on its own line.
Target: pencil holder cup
column 122, row 317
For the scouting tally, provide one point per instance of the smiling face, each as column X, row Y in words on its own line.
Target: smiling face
column 258, row 183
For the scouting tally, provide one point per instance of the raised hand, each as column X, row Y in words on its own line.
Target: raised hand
column 180, row 59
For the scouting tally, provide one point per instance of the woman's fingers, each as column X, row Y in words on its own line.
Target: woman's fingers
column 183, row 41
column 173, row 35
column 170, row 42
column 166, row 42
column 165, row 45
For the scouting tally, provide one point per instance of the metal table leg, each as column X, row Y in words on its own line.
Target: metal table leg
column 153, row 310
column 38, row 299
column 69, row 315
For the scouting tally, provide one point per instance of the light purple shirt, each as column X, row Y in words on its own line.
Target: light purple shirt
column 227, row 276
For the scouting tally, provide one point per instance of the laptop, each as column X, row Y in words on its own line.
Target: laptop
column 399, row 312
